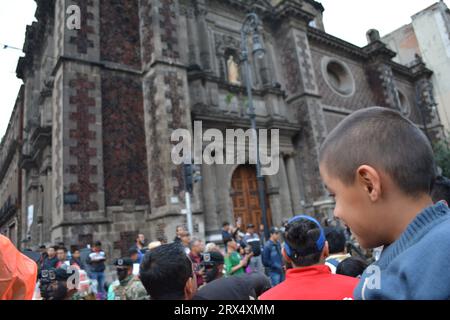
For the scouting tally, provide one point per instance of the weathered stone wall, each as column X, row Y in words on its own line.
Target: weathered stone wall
column 363, row 96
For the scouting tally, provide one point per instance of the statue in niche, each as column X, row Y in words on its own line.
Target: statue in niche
column 233, row 71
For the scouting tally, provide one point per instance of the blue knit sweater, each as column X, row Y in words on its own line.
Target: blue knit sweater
column 417, row 265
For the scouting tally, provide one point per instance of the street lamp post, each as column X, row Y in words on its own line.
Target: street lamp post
column 251, row 27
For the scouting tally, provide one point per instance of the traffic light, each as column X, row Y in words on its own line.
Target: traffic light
column 188, row 181
column 192, row 175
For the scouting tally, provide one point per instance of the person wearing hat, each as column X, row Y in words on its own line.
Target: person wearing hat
column 252, row 240
column 310, row 279
column 272, row 257
column 129, row 287
column 213, row 265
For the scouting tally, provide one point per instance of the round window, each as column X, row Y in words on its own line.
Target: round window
column 338, row 76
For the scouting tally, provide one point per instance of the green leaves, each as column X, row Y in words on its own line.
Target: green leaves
column 442, row 155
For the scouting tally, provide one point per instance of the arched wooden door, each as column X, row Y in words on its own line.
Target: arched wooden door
column 245, row 197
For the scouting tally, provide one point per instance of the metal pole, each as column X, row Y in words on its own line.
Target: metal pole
column 189, row 212
column 253, row 19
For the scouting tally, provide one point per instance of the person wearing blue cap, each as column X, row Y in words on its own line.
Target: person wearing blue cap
column 306, row 249
column 272, row 257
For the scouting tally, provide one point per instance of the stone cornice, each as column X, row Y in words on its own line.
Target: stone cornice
column 332, row 41
column 284, row 9
column 35, row 35
column 316, row 5
column 291, row 9
column 371, row 51
column 379, row 49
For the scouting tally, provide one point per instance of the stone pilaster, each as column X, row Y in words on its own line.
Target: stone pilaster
column 209, row 188
column 426, row 102
column 78, row 197
column 82, row 43
column 303, row 97
column 380, row 73
column 166, row 108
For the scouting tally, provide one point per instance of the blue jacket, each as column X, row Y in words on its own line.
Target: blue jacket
column 417, row 265
column 272, row 258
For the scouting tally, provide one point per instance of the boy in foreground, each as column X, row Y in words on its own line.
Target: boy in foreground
column 380, row 168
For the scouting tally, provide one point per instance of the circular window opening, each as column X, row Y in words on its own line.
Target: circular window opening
column 339, row 77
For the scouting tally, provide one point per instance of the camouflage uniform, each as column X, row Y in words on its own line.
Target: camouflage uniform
column 130, row 289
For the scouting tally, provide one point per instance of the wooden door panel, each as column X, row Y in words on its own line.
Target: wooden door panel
column 245, row 197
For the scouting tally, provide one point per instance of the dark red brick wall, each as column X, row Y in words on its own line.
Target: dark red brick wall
column 124, row 151
column 119, row 29
column 147, row 31
column 82, row 114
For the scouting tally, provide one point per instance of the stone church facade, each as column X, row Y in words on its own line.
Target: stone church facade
column 100, row 103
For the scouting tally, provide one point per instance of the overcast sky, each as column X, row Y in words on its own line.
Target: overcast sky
column 346, row 19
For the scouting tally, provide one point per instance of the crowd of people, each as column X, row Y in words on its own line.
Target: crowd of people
column 388, row 199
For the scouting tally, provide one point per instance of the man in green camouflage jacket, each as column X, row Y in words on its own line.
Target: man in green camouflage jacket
column 130, row 287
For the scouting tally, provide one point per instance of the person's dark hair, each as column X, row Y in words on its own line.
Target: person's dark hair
column 385, row 140
column 352, row 267
column 75, row 249
column 164, row 272
column 56, row 291
column 132, row 251
column 163, row 240
column 42, row 247
column 53, row 247
column 226, row 223
column 301, row 236
column 63, row 249
column 441, row 190
column 336, row 239
column 98, row 244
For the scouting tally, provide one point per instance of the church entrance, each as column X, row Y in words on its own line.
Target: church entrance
column 245, row 197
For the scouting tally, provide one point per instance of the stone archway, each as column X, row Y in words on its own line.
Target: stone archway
column 244, row 194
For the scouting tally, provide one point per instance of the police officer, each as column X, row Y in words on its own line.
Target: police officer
column 129, row 287
column 213, row 263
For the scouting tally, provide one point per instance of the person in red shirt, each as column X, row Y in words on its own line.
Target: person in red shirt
column 195, row 255
column 306, row 249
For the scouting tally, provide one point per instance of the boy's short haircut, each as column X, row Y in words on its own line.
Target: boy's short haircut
column 164, row 272
column 352, row 267
column 441, row 190
column 336, row 239
column 302, row 236
column 384, row 139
